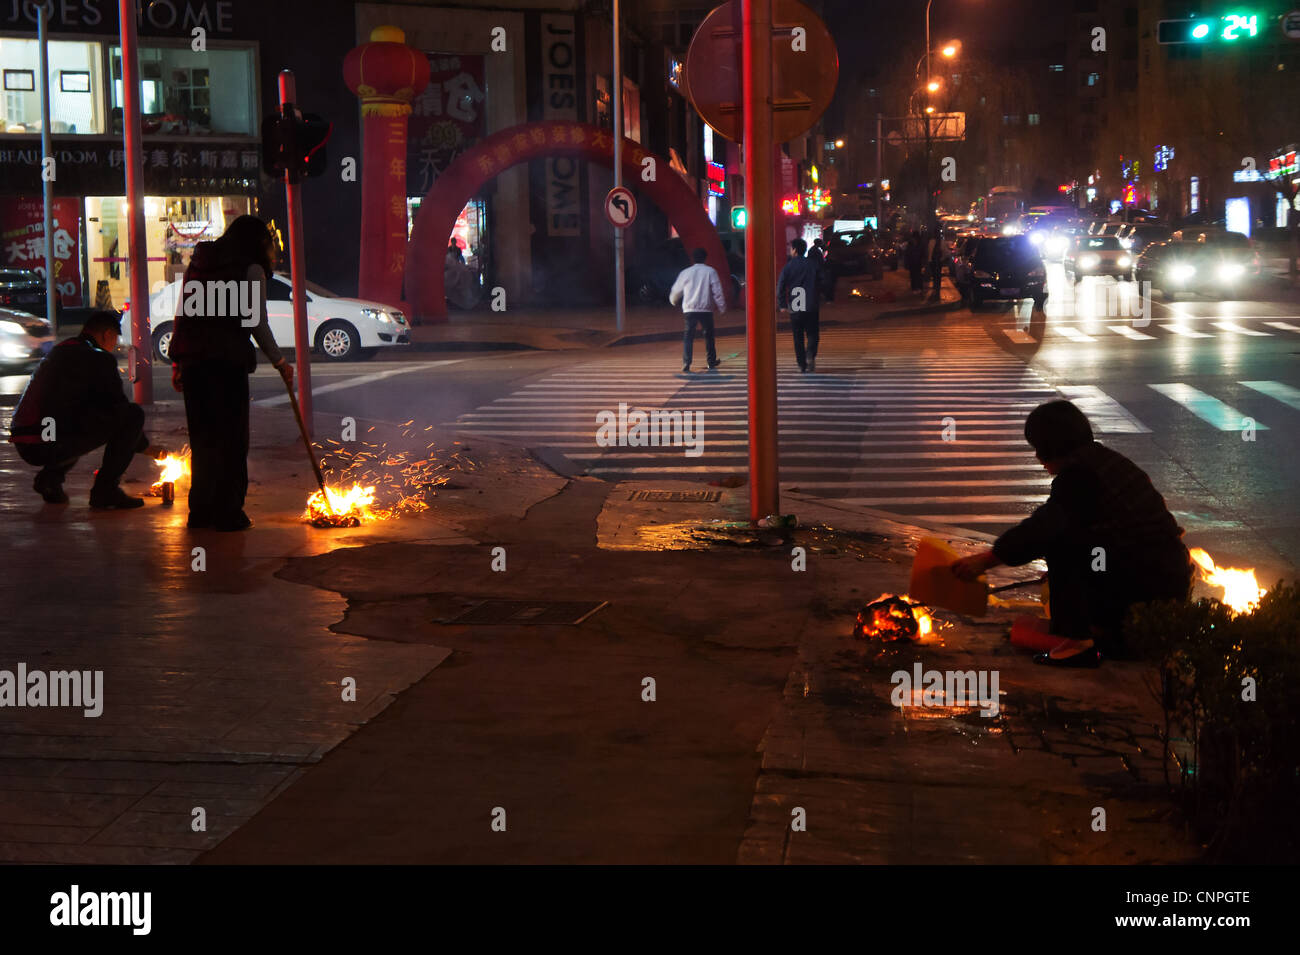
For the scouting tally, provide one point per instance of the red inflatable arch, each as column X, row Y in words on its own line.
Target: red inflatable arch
column 498, row 152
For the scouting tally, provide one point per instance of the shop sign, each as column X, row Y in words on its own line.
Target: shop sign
column 447, row 118
column 22, row 241
column 560, row 102
column 98, row 169
column 156, row 17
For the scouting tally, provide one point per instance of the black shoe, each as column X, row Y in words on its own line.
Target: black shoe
column 113, row 499
column 812, row 364
column 715, row 363
column 237, row 522
column 803, row 368
column 50, row 489
column 1089, row 658
column 686, row 368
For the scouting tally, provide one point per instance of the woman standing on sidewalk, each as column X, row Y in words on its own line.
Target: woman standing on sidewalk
column 212, row 359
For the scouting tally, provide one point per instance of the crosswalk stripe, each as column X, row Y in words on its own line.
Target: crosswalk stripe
column 1072, row 333
column 1206, row 407
column 1106, row 414
column 1130, row 332
column 1283, row 326
column 1019, row 336
column 1180, row 329
column 1275, row 389
column 1239, row 330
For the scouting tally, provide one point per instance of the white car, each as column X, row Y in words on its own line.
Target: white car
column 1097, row 255
column 341, row 329
column 24, row 338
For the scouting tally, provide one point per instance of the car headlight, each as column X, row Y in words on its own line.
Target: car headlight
column 376, row 314
column 1182, row 271
column 1231, row 270
column 1037, row 238
column 399, row 318
column 1055, row 245
column 1088, row 261
column 11, row 350
column 1124, row 261
column 1126, row 243
column 12, row 328
column 1009, row 230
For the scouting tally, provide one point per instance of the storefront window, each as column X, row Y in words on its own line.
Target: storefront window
column 192, row 94
column 76, row 87
column 174, row 225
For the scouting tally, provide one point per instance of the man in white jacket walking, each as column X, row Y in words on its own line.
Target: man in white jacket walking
column 698, row 289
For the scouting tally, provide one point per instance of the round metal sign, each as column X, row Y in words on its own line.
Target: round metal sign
column 805, row 67
column 620, row 207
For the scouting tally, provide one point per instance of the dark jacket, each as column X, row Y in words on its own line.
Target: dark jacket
column 75, row 383
column 1101, row 499
column 223, row 338
column 800, row 272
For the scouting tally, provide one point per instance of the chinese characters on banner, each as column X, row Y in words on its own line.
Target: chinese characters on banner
column 446, row 118
column 22, row 239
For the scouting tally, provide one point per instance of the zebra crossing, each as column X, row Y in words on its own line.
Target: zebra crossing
column 929, row 430
column 1181, row 327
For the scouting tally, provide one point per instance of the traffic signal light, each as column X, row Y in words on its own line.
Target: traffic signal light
column 1205, row 30
column 294, row 143
column 739, row 217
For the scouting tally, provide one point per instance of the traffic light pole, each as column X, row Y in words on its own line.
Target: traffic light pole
column 620, row 284
column 297, row 265
column 760, row 284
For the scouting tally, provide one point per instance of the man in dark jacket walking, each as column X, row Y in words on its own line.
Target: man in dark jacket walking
column 74, row 404
column 914, row 258
column 1107, row 537
column 797, row 290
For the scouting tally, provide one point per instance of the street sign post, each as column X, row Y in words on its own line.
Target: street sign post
column 620, row 207
column 1291, row 25
column 805, row 68
column 761, row 72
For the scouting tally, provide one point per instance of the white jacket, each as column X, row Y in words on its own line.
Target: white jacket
column 697, row 289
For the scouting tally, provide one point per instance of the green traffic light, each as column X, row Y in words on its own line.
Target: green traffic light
column 1200, row 31
column 739, row 217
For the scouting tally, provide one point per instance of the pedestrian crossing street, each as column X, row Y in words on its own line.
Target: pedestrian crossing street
column 934, row 434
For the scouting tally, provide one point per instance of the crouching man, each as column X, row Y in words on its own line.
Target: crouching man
column 74, row 404
column 1107, row 537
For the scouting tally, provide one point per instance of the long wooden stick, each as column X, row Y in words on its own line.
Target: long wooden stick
column 311, row 452
column 1018, row 583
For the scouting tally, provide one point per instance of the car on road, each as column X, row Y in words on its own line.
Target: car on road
column 1216, row 263
column 1136, row 236
column 340, row 329
column 24, row 339
column 22, row 290
column 1001, row 267
column 858, row 253
column 1097, row 255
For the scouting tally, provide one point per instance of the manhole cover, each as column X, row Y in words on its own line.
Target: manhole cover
column 535, row 612
column 683, row 497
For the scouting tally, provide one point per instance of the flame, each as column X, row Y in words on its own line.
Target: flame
column 891, row 622
column 174, row 467
column 1241, row 591
column 341, row 508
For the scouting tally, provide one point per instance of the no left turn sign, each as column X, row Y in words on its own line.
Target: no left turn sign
column 620, row 207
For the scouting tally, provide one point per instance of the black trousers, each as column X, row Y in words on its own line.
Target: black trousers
column 805, row 325
column 1093, row 604
column 216, row 411
column 936, row 274
column 120, row 431
column 914, row 272
column 705, row 320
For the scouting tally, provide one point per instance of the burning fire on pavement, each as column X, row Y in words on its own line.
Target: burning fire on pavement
column 893, row 617
column 174, row 467
column 1241, row 591
column 373, row 483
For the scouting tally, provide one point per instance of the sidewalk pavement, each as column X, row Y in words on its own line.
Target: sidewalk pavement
column 857, row 300
column 225, row 689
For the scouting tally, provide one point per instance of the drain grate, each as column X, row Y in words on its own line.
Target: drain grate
column 525, row 612
column 677, row 497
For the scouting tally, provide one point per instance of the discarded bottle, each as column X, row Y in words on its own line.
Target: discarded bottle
column 168, row 493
